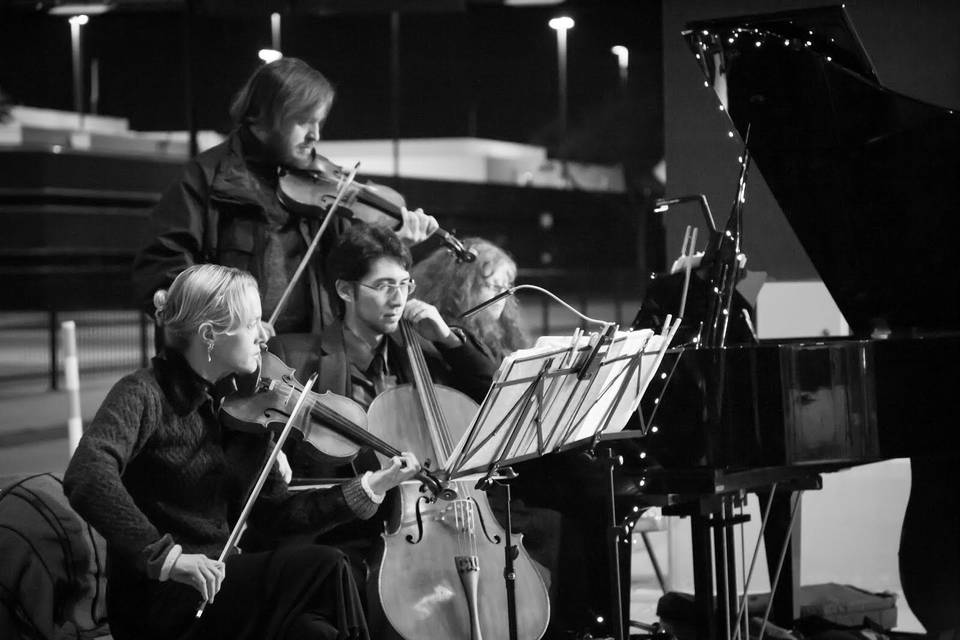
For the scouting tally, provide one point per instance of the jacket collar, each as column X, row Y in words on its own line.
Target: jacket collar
column 244, row 175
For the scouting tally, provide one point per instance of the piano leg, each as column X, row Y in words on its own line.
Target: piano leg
column 786, row 598
column 705, row 620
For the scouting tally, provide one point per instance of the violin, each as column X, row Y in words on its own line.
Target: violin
column 333, row 424
column 311, row 192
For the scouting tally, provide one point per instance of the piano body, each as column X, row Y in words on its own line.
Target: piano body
column 867, row 179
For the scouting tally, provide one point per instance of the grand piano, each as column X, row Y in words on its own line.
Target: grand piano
column 867, row 180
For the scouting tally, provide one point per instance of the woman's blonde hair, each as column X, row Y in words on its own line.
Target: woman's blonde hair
column 453, row 287
column 203, row 294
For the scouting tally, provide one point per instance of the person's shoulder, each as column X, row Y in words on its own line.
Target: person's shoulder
column 139, row 386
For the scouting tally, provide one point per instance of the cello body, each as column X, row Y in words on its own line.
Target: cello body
column 440, row 572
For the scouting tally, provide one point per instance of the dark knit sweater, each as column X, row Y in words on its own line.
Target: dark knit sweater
column 155, row 469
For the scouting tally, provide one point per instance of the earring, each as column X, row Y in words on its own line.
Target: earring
column 210, row 352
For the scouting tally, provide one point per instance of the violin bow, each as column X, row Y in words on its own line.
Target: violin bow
column 261, row 480
column 341, row 190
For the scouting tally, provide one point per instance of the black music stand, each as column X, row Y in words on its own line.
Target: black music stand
column 560, row 394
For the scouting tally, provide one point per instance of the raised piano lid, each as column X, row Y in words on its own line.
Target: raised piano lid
column 869, row 179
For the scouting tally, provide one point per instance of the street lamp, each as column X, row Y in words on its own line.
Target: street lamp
column 75, row 23
column 561, row 25
column 623, row 61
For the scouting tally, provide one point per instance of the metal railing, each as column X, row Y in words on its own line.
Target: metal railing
column 107, row 340
column 122, row 340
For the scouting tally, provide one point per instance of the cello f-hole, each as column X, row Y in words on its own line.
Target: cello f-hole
column 483, row 524
column 409, row 536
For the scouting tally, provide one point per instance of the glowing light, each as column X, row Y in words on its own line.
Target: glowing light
column 643, row 454
column 561, row 23
column 80, row 8
column 79, row 20
column 729, row 134
column 654, row 429
column 757, row 43
column 663, row 376
column 269, row 55
column 636, row 508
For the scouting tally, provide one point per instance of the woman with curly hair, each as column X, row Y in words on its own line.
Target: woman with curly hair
column 453, row 287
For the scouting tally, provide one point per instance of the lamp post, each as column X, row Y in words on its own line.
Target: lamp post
column 75, row 23
column 561, row 25
column 272, row 54
column 275, row 31
column 623, row 61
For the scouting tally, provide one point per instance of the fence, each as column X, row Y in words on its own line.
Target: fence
column 122, row 340
column 117, row 340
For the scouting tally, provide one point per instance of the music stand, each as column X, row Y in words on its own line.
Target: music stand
column 559, row 394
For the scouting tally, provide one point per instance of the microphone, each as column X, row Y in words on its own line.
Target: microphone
column 486, row 303
column 661, row 205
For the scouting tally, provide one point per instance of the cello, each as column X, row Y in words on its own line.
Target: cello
column 440, row 574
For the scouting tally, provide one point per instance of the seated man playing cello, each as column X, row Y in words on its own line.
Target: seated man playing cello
column 360, row 355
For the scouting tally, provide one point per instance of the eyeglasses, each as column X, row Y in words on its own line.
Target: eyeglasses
column 387, row 289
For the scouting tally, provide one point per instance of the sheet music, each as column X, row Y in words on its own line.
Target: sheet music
column 538, row 402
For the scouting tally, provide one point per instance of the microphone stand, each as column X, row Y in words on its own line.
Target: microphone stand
column 663, row 205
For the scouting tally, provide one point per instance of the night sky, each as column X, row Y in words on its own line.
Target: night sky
column 487, row 71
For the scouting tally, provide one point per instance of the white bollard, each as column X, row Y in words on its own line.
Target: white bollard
column 71, row 378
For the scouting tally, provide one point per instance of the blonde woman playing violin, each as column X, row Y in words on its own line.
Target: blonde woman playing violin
column 160, row 478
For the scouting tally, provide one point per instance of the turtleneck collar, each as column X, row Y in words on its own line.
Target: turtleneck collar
column 185, row 389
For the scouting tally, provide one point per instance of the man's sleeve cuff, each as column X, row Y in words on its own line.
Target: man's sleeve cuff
column 168, row 562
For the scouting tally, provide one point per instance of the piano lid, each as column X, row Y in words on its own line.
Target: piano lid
column 866, row 177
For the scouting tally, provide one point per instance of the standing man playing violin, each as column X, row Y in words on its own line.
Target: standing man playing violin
column 224, row 208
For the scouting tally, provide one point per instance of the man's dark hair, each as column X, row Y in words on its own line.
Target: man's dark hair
column 358, row 248
column 276, row 92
